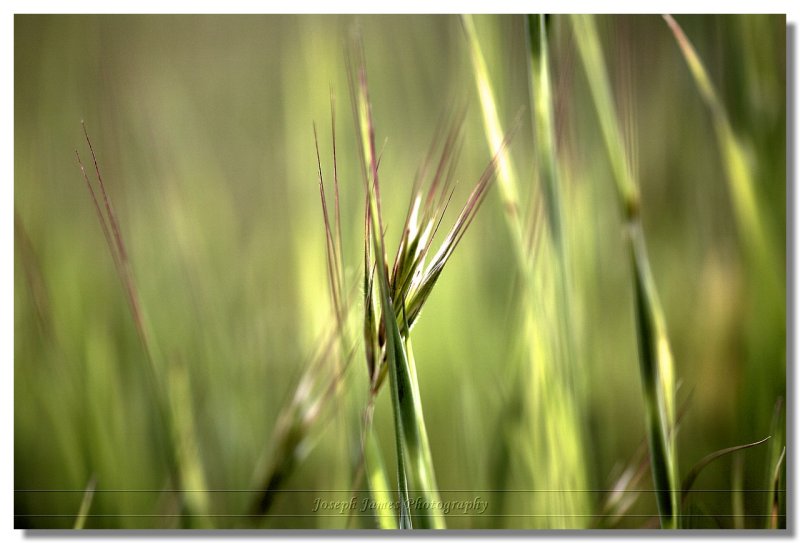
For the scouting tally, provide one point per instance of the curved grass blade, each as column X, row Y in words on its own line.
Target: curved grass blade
column 690, row 478
column 771, row 478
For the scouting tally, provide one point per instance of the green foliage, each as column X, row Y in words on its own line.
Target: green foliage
column 204, row 334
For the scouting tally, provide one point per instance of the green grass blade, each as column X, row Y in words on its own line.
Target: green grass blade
column 737, row 493
column 86, row 504
column 689, row 479
column 775, row 506
column 658, row 380
column 595, row 67
column 541, row 98
column 543, row 108
column 738, row 168
column 186, row 444
column 655, row 358
column 428, row 482
column 544, row 379
column 378, row 482
column 412, row 456
column 506, row 175
column 777, row 448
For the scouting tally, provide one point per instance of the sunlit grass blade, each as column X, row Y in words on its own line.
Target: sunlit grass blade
column 86, row 504
column 594, row 65
column 551, row 405
column 739, row 169
column 655, row 358
column 185, row 441
column 378, row 482
column 506, row 175
column 543, row 109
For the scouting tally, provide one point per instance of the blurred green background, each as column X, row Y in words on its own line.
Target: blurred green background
column 203, row 130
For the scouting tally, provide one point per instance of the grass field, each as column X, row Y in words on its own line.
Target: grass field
column 203, row 338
